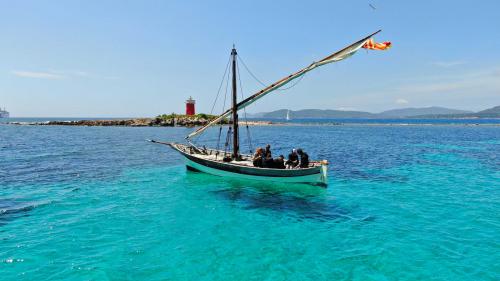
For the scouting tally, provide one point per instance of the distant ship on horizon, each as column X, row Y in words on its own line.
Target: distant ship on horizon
column 4, row 113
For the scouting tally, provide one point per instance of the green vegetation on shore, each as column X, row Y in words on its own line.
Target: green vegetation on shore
column 174, row 119
column 182, row 116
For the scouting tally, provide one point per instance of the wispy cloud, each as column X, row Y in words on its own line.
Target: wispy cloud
column 81, row 73
column 484, row 79
column 57, row 74
column 401, row 101
column 110, row 77
column 346, row 108
column 39, row 75
column 448, row 63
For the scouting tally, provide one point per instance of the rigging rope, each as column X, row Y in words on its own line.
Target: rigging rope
column 264, row 85
column 228, row 140
column 218, row 143
column 295, row 84
column 224, row 107
column 227, row 78
column 216, row 98
column 249, row 137
column 248, row 70
column 220, row 86
column 225, row 94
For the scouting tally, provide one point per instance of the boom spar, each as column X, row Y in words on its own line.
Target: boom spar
column 335, row 57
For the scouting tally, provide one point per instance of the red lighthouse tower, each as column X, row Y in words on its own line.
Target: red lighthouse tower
column 190, row 106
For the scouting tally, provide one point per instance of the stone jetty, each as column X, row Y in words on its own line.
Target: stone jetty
column 171, row 120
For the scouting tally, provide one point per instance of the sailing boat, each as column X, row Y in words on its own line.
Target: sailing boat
column 237, row 165
column 287, row 115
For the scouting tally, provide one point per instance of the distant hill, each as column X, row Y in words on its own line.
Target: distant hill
column 493, row 112
column 412, row 112
column 423, row 112
column 316, row 114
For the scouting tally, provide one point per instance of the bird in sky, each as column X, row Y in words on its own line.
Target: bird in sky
column 373, row 7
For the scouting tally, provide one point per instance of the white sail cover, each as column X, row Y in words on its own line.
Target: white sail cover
column 335, row 57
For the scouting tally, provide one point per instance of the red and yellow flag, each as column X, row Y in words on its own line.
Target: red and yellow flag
column 372, row 45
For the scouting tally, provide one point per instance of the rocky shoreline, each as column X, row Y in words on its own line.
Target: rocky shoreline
column 140, row 122
column 193, row 121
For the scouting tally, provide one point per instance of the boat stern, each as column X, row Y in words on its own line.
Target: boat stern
column 324, row 172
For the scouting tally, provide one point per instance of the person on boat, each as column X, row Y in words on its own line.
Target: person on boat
column 257, row 157
column 268, row 153
column 268, row 161
column 279, row 163
column 304, row 158
column 293, row 160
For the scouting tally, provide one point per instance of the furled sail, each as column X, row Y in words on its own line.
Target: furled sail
column 335, row 57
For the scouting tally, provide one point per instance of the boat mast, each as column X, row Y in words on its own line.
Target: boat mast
column 236, row 145
column 335, row 57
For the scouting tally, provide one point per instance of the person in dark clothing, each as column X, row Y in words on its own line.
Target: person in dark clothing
column 304, row 158
column 279, row 163
column 268, row 161
column 257, row 158
column 293, row 160
column 267, row 152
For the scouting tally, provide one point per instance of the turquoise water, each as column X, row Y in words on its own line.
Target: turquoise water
column 403, row 203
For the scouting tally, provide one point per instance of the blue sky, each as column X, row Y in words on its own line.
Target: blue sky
column 142, row 58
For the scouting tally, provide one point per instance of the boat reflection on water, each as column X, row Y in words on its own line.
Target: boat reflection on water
column 299, row 201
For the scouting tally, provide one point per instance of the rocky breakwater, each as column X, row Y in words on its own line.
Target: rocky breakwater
column 140, row 122
column 170, row 120
column 165, row 120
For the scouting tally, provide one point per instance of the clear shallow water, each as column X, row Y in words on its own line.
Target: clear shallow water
column 403, row 203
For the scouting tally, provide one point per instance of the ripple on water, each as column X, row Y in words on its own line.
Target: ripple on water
column 406, row 203
column 11, row 209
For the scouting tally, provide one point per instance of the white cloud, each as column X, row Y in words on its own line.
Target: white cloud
column 81, row 73
column 55, row 74
column 110, row 77
column 471, row 81
column 346, row 108
column 448, row 63
column 401, row 101
column 40, row 75
column 472, row 89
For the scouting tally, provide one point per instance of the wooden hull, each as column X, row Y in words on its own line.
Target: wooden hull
column 313, row 175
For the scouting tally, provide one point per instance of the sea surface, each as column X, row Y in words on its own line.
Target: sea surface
column 386, row 121
column 305, row 121
column 408, row 202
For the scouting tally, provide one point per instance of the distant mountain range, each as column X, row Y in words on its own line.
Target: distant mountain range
column 411, row 111
column 315, row 113
column 423, row 112
column 493, row 112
